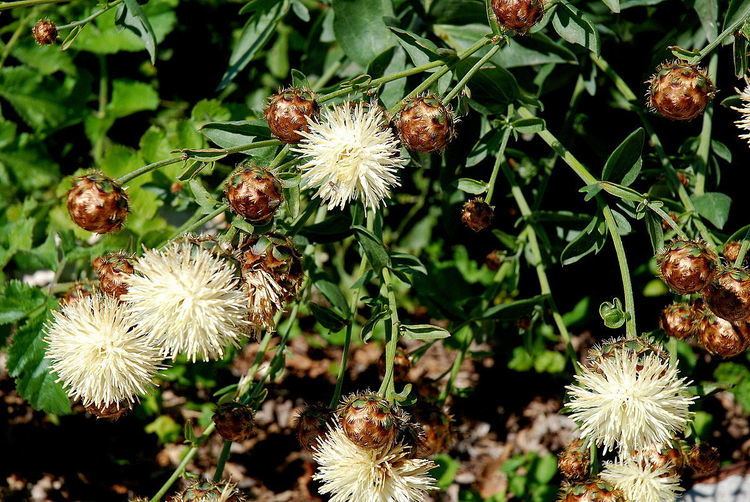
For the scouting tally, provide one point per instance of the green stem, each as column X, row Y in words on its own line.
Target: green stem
column 329, row 73
column 704, row 147
column 279, row 158
column 27, row 3
column 731, row 29
column 222, row 461
column 387, row 388
column 743, row 250
column 183, row 464
column 455, row 368
column 91, row 17
column 236, row 149
column 20, row 30
column 189, row 226
column 496, row 168
column 465, row 80
column 147, row 169
column 609, row 219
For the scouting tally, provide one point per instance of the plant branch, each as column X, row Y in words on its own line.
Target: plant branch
column 91, row 17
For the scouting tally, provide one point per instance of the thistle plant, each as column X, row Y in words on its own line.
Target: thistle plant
column 193, row 252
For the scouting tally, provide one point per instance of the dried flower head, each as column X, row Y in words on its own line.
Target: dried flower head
column 97, row 203
column 574, row 461
column 76, row 292
column 680, row 320
column 728, row 294
column 113, row 270
column 426, row 125
column 44, row 32
column 704, row 459
column 731, row 252
column 639, row 480
column 350, row 155
column 477, row 214
column 206, row 491
column 348, row 472
column 97, row 356
column 679, row 91
column 288, row 112
column 254, row 193
column 312, row 425
column 593, row 491
column 518, row 15
column 234, row 421
column 629, row 400
column 187, row 301
column 687, row 267
column 437, row 433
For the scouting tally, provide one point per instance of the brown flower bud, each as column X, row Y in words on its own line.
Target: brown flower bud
column 234, row 421
column 428, row 432
column 401, row 366
column 77, row 292
column 687, row 267
column 574, row 461
column 594, row 491
column 368, row 420
column 206, row 491
column 680, row 320
column 277, row 256
column 731, row 252
column 44, row 32
column 704, row 459
column 113, row 270
column 97, row 203
column 477, row 215
column 720, row 337
column 288, row 111
column 494, row 260
column 110, row 412
column 425, row 125
column 518, row 15
column 728, row 294
column 679, row 91
column 312, row 424
column 255, row 194
column 671, row 459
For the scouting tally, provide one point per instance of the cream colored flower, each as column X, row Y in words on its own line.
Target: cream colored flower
column 743, row 123
column 349, row 473
column 97, row 356
column 641, row 481
column 629, row 400
column 350, row 154
column 265, row 297
column 187, row 301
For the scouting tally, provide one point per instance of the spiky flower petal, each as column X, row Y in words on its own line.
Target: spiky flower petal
column 265, row 297
column 629, row 400
column 743, row 123
column 348, row 472
column 351, row 154
column 641, row 481
column 96, row 355
column 187, row 301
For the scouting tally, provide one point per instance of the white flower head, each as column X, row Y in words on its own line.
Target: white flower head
column 743, row 123
column 97, row 356
column 265, row 298
column 350, row 473
column 638, row 480
column 351, row 154
column 629, row 400
column 186, row 300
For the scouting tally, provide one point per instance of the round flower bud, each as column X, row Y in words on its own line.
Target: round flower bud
column 679, row 91
column 518, row 15
column 720, row 337
column 77, row 292
column 437, row 431
column 703, row 459
column 255, row 194
column 288, row 111
column 97, row 203
column 494, row 260
column 369, row 421
column 425, row 125
column 312, row 424
column 477, row 215
column 595, row 491
column 113, row 270
column 401, row 366
column 679, row 320
column 234, row 421
column 44, row 32
column 731, row 252
column 112, row 411
column 671, row 459
column 728, row 294
column 574, row 461
column 687, row 267
column 206, row 491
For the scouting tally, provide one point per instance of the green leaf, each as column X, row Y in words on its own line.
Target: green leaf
column 165, row 428
column 713, row 206
column 361, row 29
column 334, row 295
column 130, row 16
column 424, row 332
column 589, row 240
column 201, row 195
column 472, row 186
column 236, row 133
column 26, row 363
column 573, row 25
column 515, row 309
column 328, row 318
column 18, row 300
column 373, row 248
column 614, row 5
column 255, row 35
column 612, row 314
column 731, row 373
column 624, row 164
column 738, row 9
column 446, row 470
column 419, row 49
column 529, row 126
